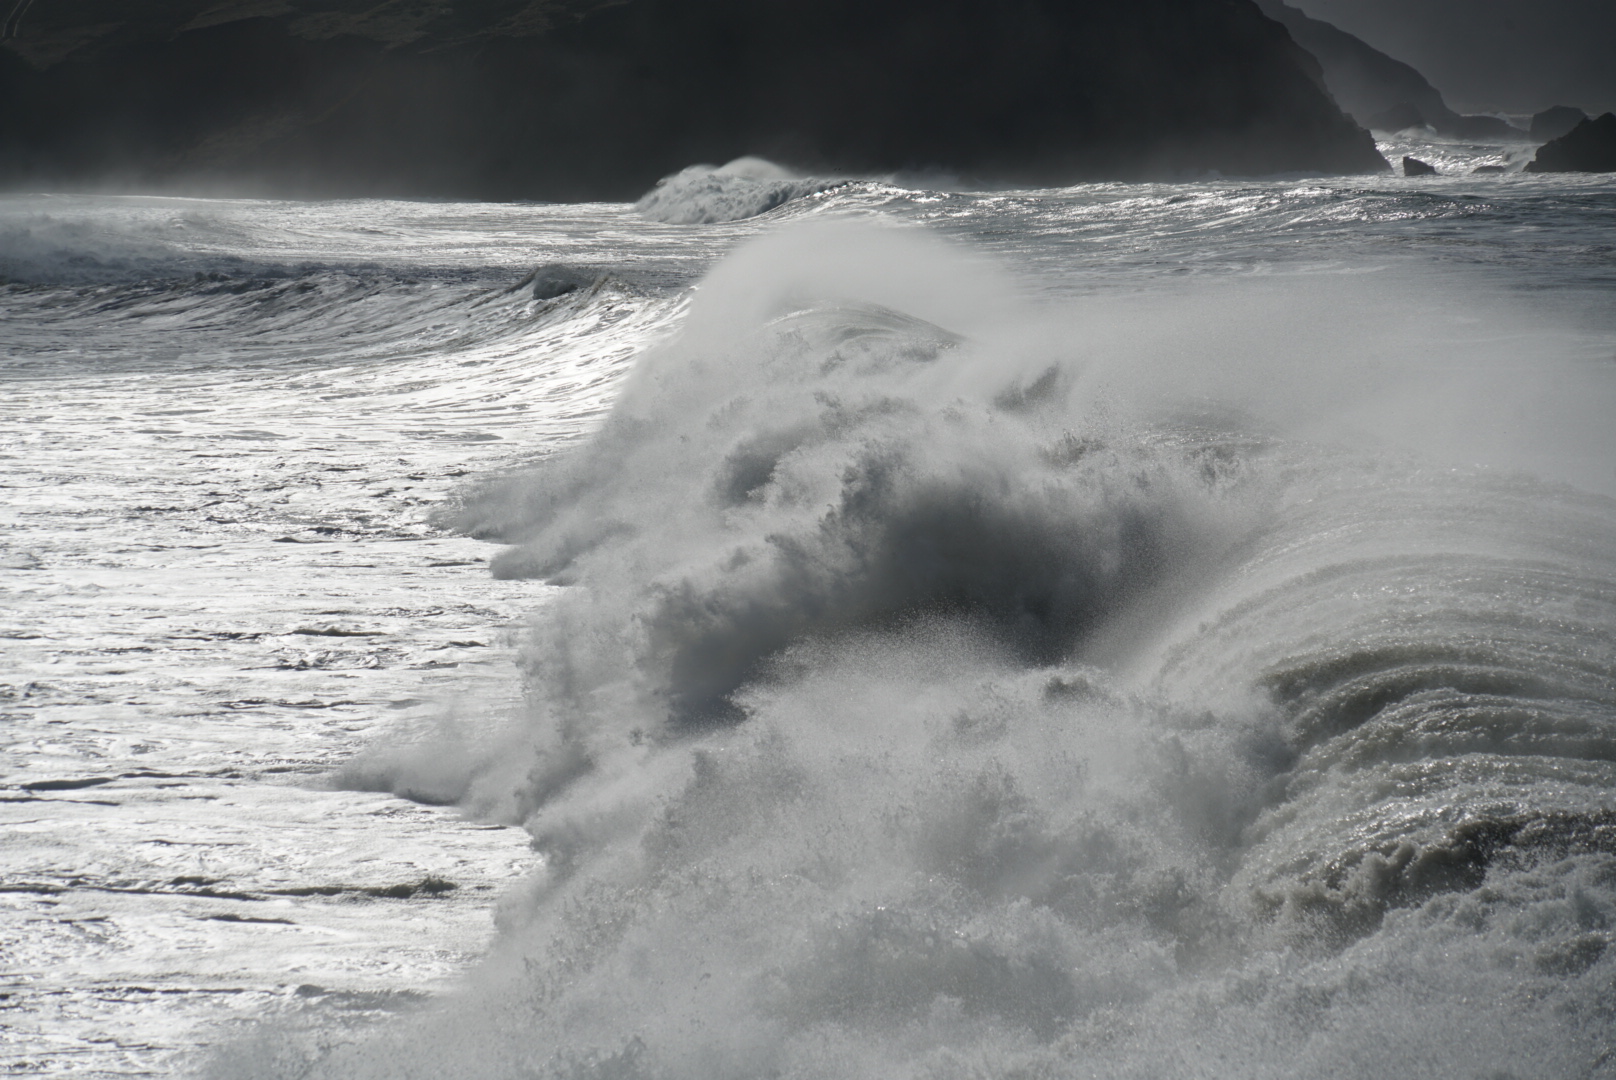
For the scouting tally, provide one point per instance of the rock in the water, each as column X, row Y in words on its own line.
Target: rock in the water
column 1415, row 167
column 1557, row 122
column 1588, row 147
column 598, row 99
column 1486, row 170
column 1550, row 124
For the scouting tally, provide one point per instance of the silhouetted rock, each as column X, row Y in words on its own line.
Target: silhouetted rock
column 1552, row 123
column 1588, row 147
column 1365, row 81
column 1378, row 91
column 1416, row 167
column 564, row 99
column 1483, row 170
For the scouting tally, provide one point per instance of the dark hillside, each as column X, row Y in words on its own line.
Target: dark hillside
column 1375, row 89
column 566, row 99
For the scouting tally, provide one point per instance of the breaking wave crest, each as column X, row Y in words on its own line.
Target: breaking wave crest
column 746, row 187
column 927, row 700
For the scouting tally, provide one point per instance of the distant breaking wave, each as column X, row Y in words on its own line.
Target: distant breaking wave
column 746, row 187
column 61, row 248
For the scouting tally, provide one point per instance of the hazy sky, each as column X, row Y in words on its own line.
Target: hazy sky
column 1486, row 55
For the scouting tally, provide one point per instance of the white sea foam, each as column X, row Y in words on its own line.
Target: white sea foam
column 744, row 188
column 950, row 686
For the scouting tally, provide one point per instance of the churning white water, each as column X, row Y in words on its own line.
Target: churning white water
column 1118, row 631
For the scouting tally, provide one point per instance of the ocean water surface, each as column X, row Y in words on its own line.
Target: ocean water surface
column 1117, row 631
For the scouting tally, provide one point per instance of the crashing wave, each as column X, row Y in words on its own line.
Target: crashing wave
column 926, row 702
column 746, row 187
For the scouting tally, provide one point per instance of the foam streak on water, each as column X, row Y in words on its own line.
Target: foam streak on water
column 1111, row 632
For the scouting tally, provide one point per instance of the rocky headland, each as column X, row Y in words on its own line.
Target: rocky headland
column 593, row 99
column 1377, row 90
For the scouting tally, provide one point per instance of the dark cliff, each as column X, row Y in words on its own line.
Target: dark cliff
column 1377, row 90
column 565, row 99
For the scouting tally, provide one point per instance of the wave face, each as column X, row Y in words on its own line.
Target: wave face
column 951, row 685
column 746, row 187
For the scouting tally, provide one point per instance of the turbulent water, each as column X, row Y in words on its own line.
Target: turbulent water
column 1114, row 631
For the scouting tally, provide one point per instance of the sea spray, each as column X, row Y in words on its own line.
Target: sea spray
column 937, row 692
column 744, row 188
column 800, row 463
